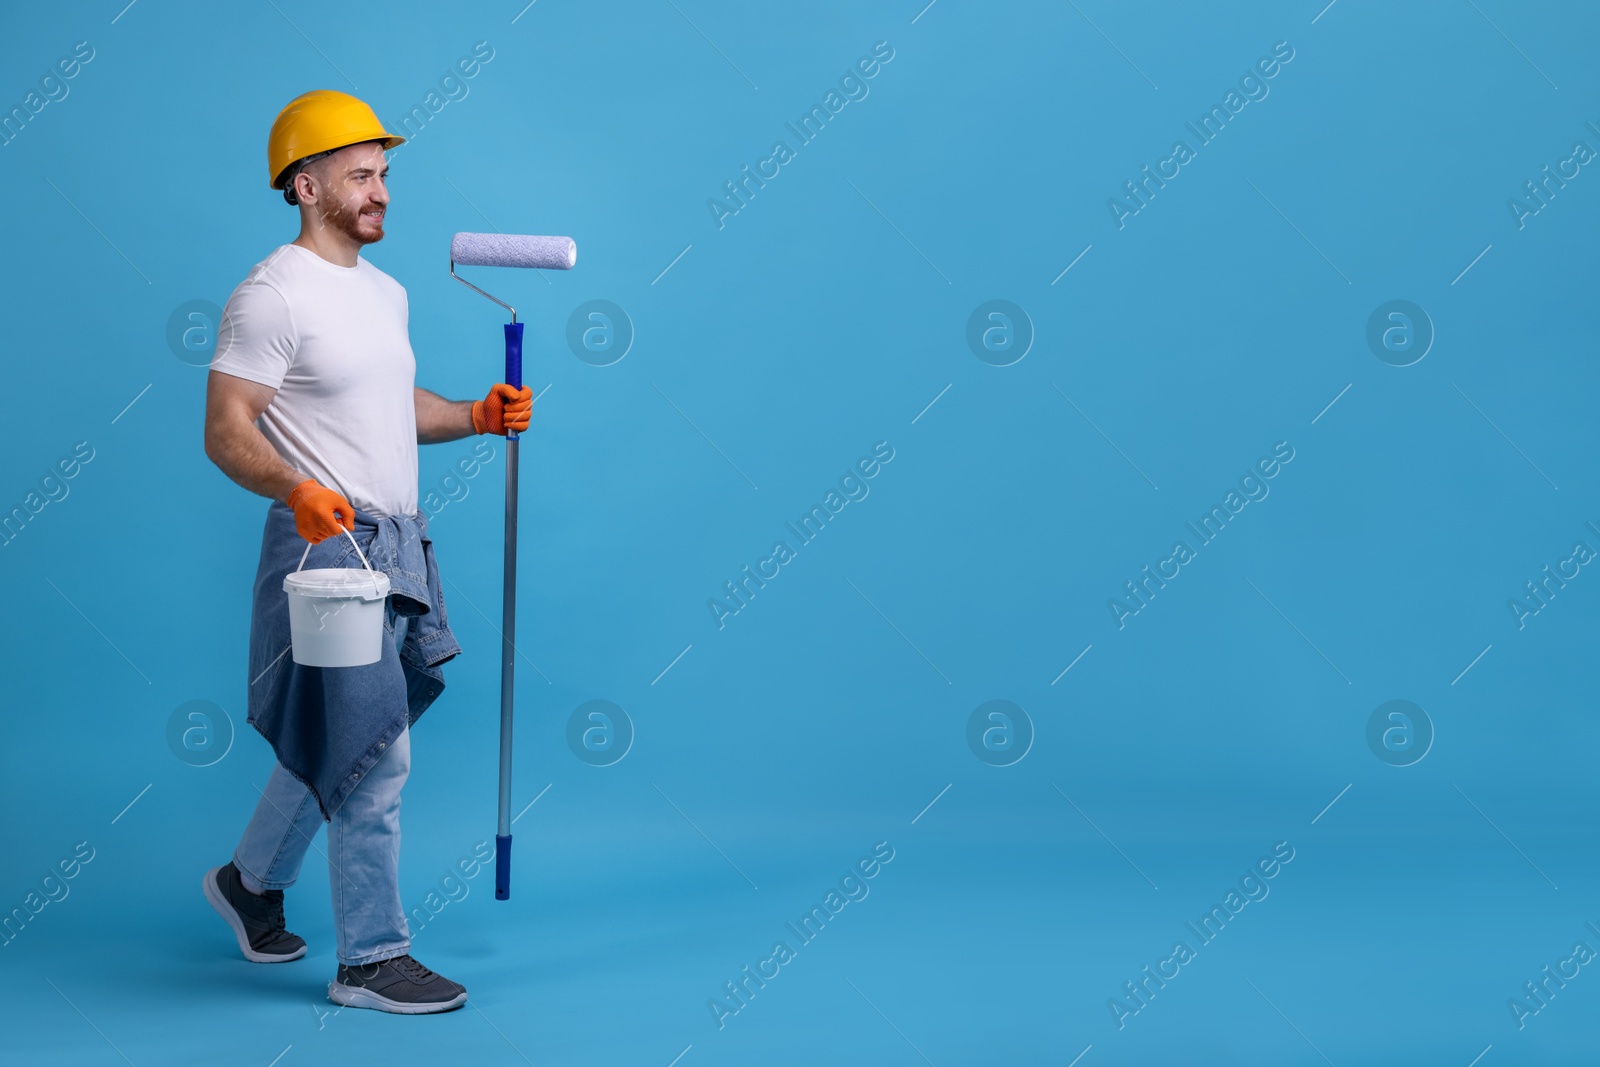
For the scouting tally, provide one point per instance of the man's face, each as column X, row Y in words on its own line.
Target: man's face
column 350, row 194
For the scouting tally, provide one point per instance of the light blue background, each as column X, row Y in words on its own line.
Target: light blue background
column 824, row 317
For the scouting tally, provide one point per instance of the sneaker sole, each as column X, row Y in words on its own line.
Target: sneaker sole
column 355, row 997
column 220, row 905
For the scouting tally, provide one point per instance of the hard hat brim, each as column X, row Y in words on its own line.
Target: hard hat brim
column 388, row 142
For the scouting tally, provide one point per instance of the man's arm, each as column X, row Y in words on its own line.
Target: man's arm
column 234, row 443
column 440, row 420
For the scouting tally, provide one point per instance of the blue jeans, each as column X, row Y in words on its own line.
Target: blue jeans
column 363, row 848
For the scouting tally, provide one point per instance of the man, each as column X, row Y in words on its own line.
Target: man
column 312, row 401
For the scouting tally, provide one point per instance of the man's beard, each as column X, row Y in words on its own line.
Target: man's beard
column 348, row 222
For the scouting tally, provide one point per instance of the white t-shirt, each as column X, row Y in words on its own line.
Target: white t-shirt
column 333, row 342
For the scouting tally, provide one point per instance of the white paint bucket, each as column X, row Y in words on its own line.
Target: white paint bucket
column 336, row 613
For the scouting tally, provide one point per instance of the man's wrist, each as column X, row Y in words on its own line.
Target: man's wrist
column 298, row 480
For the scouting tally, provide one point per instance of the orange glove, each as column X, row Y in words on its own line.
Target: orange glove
column 320, row 512
column 504, row 409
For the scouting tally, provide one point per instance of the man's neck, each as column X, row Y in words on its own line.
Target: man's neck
column 334, row 247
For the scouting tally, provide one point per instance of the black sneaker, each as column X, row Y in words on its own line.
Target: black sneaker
column 257, row 921
column 401, row 985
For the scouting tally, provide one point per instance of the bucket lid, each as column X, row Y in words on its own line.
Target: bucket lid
column 338, row 582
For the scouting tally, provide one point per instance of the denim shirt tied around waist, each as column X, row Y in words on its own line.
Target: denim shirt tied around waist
column 329, row 725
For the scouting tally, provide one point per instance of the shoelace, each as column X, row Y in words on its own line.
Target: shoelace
column 274, row 901
column 412, row 969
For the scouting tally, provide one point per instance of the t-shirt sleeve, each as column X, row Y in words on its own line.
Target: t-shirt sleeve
column 256, row 340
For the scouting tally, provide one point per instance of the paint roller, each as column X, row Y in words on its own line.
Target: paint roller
column 540, row 253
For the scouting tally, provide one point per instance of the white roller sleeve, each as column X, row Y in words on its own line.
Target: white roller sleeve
column 513, row 250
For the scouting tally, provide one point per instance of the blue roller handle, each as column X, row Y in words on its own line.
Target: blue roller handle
column 502, row 867
column 508, row 622
column 514, row 358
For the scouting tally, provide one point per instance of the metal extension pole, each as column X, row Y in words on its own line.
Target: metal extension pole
column 508, row 615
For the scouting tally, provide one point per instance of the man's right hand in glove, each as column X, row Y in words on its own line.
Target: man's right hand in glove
column 504, row 409
column 320, row 512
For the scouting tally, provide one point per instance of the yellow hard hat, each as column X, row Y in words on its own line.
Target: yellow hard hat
column 320, row 121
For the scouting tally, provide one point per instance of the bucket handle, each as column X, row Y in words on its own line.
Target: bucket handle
column 359, row 553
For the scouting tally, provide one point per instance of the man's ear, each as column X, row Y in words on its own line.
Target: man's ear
column 304, row 188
